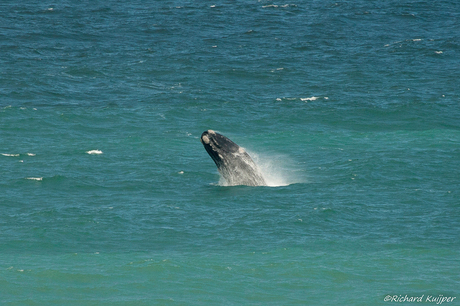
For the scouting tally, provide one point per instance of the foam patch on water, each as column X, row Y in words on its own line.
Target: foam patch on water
column 276, row 6
column 34, row 178
column 17, row 154
column 309, row 99
column 94, row 152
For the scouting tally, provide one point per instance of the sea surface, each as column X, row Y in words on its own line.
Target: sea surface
column 351, row 109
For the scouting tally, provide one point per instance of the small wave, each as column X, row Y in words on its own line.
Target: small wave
column 313, row 98
column 309, row 99
column 400, row 43
column 34, row 178
column 91, row 152
column 16, row 154
column 276, row 6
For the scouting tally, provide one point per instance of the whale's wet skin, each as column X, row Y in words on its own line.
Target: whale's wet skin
column 232, row 161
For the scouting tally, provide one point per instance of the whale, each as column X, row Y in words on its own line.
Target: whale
column 233, row 162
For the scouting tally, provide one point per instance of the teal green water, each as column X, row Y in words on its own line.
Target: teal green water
column 351, row 110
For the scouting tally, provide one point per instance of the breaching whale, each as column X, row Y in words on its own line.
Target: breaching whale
column 232, row 161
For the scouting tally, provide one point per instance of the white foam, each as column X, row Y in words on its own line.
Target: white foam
column 275, row 6
column 94, row 152
column 34, row 178
column 309, row 99
column 313, row 98
column 16, row 154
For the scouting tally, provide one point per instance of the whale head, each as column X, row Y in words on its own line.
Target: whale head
column 232, row 161
column 219, row 147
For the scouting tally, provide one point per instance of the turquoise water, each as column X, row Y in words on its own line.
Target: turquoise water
column 351, row 110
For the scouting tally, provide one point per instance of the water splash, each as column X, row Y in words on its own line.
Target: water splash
column 277, row 170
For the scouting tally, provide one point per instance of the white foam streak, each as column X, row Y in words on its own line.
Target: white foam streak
column 91, row 152
column 309, row 99
column 16, row 154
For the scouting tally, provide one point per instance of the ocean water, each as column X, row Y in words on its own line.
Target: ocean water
column 350, row 108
